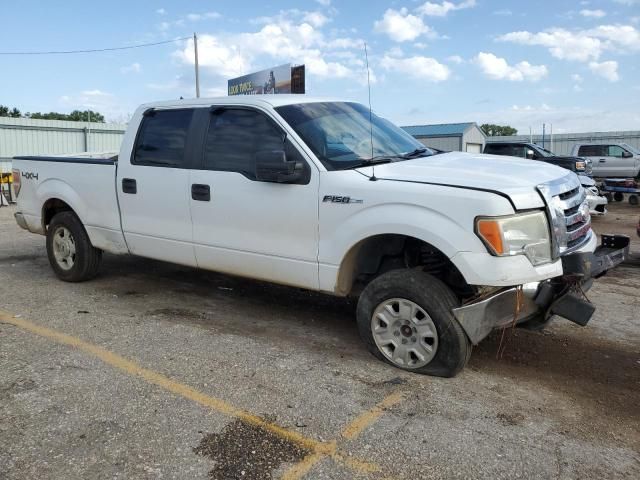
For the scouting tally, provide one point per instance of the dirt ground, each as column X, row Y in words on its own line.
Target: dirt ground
column 154, row 370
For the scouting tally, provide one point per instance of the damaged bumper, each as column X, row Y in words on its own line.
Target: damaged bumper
column 541, row 300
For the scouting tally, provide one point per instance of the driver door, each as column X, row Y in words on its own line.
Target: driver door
column 247, row 227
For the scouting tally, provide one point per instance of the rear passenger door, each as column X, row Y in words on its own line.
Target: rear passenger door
column 153, row 187
column 245, row 226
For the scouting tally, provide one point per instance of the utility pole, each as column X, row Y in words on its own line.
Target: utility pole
column 195, row 50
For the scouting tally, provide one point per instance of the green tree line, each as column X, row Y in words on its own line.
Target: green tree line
column 491, row 130
column 75, row 116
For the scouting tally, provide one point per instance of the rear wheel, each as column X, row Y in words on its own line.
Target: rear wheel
column 405, row 319
column 618, row 196
column 71, row 254
column 633, row 199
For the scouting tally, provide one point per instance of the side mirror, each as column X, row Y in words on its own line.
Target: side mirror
column 530, row 154
column 626, row 154
column 272, row 166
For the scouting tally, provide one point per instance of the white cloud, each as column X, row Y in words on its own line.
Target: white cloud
column 562, row 44
column 504, row 12
column 419, row 67
column 95, row 93
column 161, row 11
column 593, row 13
column 608, row 70
column 316, row 19
column 457, row 59
column 324, row 3
column 580, row 45
column 577, row 78
column 287, row 37
column 442, row 9
column 133, row 68
column 196, row 17
column 401, row 26
column 498, row 69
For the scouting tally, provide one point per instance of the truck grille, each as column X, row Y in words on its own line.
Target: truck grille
column 569, row 214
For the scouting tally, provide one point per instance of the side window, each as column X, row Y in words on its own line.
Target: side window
column 591, row 151
column 519, row 151
column 615, row 151
column 236, row 135
column 162, row 138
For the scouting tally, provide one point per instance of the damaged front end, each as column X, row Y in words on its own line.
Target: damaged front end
column 535, row 303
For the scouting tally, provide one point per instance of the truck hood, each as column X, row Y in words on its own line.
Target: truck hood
column 507, row 176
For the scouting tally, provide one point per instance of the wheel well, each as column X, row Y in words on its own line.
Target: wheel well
column 52, row 207
column 379, row 254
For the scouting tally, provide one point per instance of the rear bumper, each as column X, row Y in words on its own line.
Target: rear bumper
column 20, row 220
column 539, row 301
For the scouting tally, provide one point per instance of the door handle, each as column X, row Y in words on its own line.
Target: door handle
column 129, row 185
column 200, row 192
column 602, row 160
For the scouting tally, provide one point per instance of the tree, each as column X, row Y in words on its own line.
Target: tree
column 492, row 130
column 75, row 116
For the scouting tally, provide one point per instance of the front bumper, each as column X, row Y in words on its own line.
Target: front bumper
column 541, row 300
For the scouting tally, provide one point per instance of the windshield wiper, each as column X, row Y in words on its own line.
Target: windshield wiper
column 414, row 153
column 367, row 162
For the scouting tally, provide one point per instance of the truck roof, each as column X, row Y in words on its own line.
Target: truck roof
column 258, row 100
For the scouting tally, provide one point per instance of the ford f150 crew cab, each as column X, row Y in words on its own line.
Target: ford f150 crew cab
column 439, row 249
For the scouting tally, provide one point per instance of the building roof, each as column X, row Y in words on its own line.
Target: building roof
column 440, row 130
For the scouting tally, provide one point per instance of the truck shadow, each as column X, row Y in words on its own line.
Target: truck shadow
column 590, row 370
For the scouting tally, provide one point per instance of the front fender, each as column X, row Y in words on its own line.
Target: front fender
column 422, row 223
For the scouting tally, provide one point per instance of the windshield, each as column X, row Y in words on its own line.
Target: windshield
column 633, row 150
column 339, row 134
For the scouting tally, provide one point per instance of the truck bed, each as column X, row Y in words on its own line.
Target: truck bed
column 85, row 182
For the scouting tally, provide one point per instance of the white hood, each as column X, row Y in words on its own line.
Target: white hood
column 511, row 176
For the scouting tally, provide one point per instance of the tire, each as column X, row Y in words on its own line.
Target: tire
column 387, row 301
column 618, row 196
column 633, row 199
column 71, row 255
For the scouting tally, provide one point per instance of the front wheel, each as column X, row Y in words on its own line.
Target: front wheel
column 71, row 254
column 405, row 318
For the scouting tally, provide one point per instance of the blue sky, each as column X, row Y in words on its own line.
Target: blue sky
column 573, row 64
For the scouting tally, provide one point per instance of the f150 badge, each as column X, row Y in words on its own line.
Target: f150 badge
column 340, row 199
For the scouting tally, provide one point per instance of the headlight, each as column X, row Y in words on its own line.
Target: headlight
column 521, row 234
column 581, row 166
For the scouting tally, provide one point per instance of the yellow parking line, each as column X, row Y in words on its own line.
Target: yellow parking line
column 320, row 450
column 356, row 427
column 349, row 432
column 166, row 383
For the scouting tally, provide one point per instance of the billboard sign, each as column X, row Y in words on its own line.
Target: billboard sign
column 266, row 82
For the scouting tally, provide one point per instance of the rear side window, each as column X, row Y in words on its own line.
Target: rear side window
column 236, row 135
column 592, row 151
column 162, row 138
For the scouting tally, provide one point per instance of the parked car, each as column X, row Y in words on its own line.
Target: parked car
column 597, row 201
column 617, row 160
column 532, row 151
column 438, row 254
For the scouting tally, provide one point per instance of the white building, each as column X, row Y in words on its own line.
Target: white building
column 460, row 137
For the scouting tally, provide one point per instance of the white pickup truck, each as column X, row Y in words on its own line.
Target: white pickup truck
column 440, row 248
